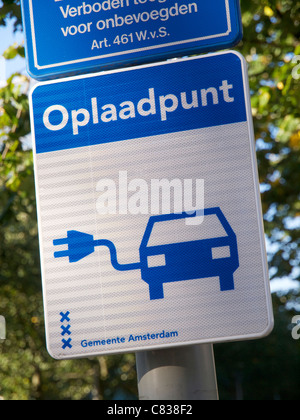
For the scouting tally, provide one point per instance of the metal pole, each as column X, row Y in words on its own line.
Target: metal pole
column 2, row 329
column 184, row 373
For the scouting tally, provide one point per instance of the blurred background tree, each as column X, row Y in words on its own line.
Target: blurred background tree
column 264, row 369
column 270, row 368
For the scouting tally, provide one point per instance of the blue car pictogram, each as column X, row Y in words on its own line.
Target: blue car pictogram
column 213, row 254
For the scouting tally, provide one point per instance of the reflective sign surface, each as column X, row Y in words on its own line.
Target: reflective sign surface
column 149, row 210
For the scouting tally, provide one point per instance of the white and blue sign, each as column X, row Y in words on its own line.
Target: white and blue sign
column 68, row 37
column 150, row 221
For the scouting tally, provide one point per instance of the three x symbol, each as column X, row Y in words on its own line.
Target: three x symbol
column 65, row 330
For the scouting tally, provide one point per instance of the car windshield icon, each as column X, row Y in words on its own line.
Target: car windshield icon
column 171, row 250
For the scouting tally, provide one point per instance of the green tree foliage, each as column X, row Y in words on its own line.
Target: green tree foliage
column 10, row 9
column 270, row 368
column 272, row 34
column 264, row 369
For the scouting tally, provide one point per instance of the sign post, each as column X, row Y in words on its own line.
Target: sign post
column 85, row 36
column 2, row 329
column 178, row 374
column 150, row 223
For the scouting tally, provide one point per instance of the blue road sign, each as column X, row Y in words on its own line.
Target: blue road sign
column 135, row 253
column 67, row 38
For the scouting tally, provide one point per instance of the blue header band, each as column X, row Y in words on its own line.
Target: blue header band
column 137, row 103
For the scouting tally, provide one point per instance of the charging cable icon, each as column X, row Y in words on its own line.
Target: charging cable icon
column 214, row 254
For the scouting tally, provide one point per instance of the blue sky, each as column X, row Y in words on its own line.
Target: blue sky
column 7, row 38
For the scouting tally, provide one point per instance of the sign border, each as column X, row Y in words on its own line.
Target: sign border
column 123, row 53
column 269, row 306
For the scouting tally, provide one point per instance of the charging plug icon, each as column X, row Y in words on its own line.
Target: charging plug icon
column 81, row 245
column 163, row 260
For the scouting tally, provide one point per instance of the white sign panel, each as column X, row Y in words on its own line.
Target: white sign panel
column 150, row 221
